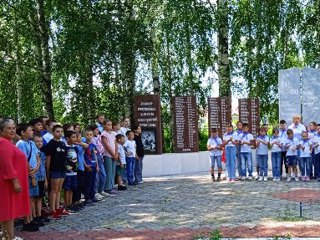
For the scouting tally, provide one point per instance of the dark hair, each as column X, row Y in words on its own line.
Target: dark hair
column 106, row 121
column 128, row 132
column 245, row 125
column 37, row 135
column 119, row 136
column 99, row 115
column 56, row 126
column 261, row 129
column 115, row 123
column 125, row 118
column 213, row 130
column 283, row 121
column 239, row 122
column 35, row 121
column 76, row 124
column 289, row 131
column 313, row 123
column 304, row 132
column 69, row 133
column 135, row 127
column 275, row 130
column 92, row 127
column 48, row 122
column 42, row 117
column 22, row 127
column 66, row 127
column 229, row 125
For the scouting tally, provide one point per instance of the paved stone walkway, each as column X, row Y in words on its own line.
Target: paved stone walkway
column 182, row 207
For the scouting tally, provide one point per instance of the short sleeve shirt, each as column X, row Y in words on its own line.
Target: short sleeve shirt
column 275, row 147
column 29, row 149
column 90, row 155
column 215, row 142
column 72, row 160
column 292, row 144
column 306, row 151
column 227, row 136
column 262, row 149
column 246, row 137
column 111, row 138
column 58, row 152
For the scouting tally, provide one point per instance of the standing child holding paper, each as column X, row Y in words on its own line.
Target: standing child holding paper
column 214, row 145
column 291, row 146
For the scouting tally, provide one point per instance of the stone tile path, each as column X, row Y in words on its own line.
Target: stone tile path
column 182, row 207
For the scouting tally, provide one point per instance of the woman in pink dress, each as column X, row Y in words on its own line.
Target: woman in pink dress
column 13, row 180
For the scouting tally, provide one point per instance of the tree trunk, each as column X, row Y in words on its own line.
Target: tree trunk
column 43, row 28
column 223, row 49
column 154, row 64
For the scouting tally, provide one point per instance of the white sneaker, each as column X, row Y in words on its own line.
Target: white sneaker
column 141, row 182
column 288, row 179
column 265, row 179
column 250, row 178
column 257, row 177
column 99, row 196
column 297, row 179
column 104, row 194
column 18, row 238
column 243, row 178
column 274, row 179
column 260, row 178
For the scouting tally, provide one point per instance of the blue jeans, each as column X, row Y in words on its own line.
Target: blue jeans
column 312, row 165
column 276, row 164
column 215, row 159
column 138, row 165
column 305, row 166
column 100, row 176
column 263, row 165
column 246, row 162
column 110, row 168
column 231, row 162
column 130, row 169
column 238, row 147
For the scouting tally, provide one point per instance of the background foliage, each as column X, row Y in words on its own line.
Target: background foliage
column 73, row 59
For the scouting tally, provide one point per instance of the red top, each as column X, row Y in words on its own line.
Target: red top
column 13, row 164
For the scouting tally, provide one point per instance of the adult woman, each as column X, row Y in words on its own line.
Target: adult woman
column 13, row 180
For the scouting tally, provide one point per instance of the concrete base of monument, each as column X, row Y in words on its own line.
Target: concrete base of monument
column 183, row 163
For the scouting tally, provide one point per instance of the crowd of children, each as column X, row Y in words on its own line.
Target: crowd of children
column 295, row 148
column 64, row 161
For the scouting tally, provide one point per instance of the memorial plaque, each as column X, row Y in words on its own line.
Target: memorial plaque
column 186, row 137
column 310, row 97
column 249, row 112
column 147, row 110
column 219, row 114
column 289, row 89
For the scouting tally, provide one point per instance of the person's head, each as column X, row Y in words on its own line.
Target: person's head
column 136, row 129
column 126, row 122
column 213, row 132
column 275, row 132
column 290, row 133
column 37, row 125
column 95, row 130
column 265, row 126
column 304, row 135
column 130, row 134
column 50, row 124
column 245, row 127
column 120, row 139
column 229, row 128
column 7, row 128
column 312, row 126
column 116, row 126
column 57, row 131
column 239, row 125
column 77, row 128
column 24, row 130
column 44, row 119
column 318, row 128
column 107, row 125
column 262, row 131
column 296, row 119
column 38, row 140
column 100, row 118
column 88, row 134
column 67, row 127
column 71, row 137
column 283, row 124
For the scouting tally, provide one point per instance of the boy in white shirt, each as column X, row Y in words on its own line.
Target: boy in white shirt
column 122, row 162
column 291, row 145
column 305, row 157
column 230, row 148
column 276, row 145
column 245, row 141
column 214, row 145
column 283, row 137
column 262, row 143
column 130, row 151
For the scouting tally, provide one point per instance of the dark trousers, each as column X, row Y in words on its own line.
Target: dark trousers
column 283, row 161
column 312, row 165
column 317, row 165
column 81, row 183
column 90, row 180
column 130, row 169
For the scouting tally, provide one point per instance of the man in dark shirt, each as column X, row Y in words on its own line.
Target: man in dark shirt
column 140, row 154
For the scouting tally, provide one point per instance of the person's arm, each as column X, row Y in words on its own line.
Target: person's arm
column 116, row 154
column 48, row 161
column 107, row 146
